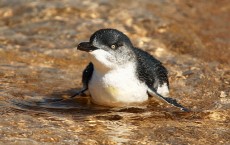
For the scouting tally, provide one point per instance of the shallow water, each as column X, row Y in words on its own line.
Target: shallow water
column 39, row 64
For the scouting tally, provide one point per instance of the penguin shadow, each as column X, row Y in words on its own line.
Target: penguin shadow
column 59, row 102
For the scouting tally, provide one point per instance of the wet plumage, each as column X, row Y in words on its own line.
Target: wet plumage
column 120, row 73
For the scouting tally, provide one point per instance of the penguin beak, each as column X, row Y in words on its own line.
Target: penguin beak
column 86, row 46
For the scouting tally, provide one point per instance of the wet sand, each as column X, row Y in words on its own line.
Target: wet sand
column 38, row 63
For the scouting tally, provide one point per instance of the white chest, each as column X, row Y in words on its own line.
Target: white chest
column 117, row 87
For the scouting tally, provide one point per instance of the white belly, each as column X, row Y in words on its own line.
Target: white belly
column 118, row 87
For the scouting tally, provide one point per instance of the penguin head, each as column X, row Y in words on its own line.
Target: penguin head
column 109, row 48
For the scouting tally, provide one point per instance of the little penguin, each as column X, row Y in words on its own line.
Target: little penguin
column 120, row 74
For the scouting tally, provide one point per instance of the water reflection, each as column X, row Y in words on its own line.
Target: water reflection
column 119, row 132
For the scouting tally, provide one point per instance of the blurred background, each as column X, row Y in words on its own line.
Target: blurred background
column 38, row 61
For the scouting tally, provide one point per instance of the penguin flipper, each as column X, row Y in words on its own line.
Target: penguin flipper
column 86, row 76
column 169, row 100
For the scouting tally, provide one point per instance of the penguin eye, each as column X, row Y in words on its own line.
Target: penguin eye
column 113, row 46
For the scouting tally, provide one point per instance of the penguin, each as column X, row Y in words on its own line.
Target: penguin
column 120, row 74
